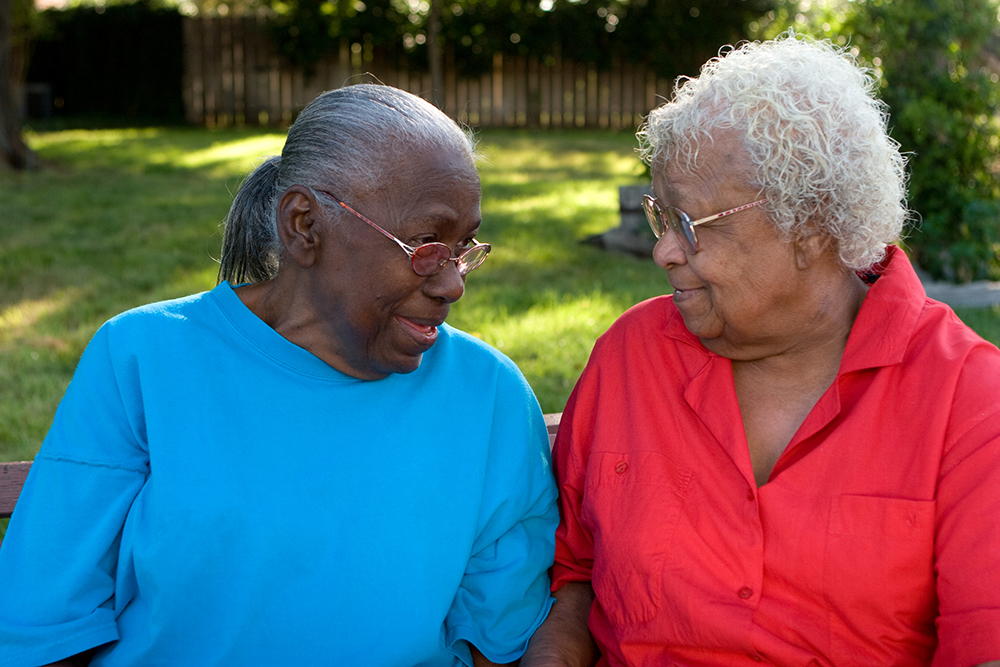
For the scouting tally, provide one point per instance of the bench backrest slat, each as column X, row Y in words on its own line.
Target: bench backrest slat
column 12, row 476
column 552, row 424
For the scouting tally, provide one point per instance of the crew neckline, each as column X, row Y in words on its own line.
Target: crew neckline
column 272, row 344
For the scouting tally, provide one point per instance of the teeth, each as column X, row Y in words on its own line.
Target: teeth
column 425, row 329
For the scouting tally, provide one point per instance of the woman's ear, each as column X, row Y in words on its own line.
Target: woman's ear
column 297, row 218
column 809, row 248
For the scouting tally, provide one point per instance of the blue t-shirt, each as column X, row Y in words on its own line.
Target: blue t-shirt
column 212, row 494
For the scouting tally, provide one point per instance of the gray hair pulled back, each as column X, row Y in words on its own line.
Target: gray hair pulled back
column 815, row 131
column 343, row 140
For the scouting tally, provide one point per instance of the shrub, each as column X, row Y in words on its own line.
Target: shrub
column 943, row 98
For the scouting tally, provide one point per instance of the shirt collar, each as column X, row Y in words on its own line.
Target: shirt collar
column 888, row 316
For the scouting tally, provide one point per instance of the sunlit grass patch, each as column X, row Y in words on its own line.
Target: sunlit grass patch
column 550, row 339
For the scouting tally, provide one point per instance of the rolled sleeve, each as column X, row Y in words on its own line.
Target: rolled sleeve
column 504, row 595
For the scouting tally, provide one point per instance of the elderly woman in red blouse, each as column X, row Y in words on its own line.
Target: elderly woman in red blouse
column 794, row 459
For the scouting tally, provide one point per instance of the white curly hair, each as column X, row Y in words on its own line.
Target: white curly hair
column 815, row 131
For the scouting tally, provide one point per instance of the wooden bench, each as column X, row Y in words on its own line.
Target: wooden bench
column 12, row 475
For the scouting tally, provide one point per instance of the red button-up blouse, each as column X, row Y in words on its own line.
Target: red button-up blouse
column 876, row 540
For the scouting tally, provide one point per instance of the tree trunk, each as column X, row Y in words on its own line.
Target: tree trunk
column 14, row 153
column 434, row 54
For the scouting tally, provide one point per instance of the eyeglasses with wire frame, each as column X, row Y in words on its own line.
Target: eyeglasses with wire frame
column 429, row 258
column 662, row 218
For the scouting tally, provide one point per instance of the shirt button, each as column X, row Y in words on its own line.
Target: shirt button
column 755, row 658
column 621, row 467
column 746, row 593
column 750, row 495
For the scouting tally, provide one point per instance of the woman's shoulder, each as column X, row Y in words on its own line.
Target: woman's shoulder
column 153, row 324
column 656, row 309
column 473, row 348
column 658, row 312
column 176, row 308
column 475, row 359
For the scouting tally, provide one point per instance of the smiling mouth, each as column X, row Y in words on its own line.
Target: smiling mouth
column 423, row 333
column 681, row 295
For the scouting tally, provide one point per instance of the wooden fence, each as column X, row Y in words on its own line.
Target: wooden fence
column 233, row 75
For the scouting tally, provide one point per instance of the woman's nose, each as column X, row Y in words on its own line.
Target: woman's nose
column 668, row 251
column 447, row 284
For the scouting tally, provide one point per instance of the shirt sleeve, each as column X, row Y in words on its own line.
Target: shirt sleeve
column 60, row 553
column 504, row 594
column 967, row 546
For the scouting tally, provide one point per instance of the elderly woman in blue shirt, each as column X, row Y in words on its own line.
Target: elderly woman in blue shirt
column 305, row 465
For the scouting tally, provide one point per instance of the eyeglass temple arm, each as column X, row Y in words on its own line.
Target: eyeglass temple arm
column 407, row 249
column 729, row 212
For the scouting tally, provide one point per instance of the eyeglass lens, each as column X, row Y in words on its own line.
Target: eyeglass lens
column 430, row 258
column 659, row 218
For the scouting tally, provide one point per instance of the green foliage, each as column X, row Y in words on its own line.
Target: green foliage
column 305, row 30
column 24, row 25
column 943, row 99
column 674, row 37
column 678, row 37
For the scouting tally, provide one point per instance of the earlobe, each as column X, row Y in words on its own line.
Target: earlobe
column 297, row 217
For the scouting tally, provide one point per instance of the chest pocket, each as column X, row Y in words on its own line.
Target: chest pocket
column 879, row 580
column 631, row 504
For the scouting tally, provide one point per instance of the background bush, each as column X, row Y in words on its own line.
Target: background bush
column 944, row 100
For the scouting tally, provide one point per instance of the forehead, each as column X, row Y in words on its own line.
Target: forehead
column 426, row 183
column 419, row 167
column 721, row 161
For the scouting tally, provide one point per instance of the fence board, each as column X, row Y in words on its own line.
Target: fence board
column 233, row 75
column 192, row 93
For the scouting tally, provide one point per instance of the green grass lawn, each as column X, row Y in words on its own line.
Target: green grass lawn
column 124, row 217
